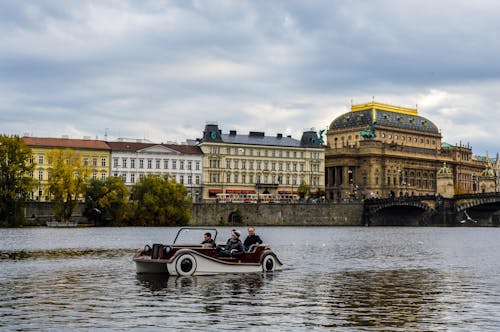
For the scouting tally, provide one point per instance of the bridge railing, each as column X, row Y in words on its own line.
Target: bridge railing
column 375, row 201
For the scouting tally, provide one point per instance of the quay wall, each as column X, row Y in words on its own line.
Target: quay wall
column 212, row 214
column 331, row 214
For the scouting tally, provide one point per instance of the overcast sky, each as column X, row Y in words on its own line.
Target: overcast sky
column 162, row 69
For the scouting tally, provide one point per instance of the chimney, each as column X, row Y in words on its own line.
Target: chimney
column 279, row 135
column 232, row 133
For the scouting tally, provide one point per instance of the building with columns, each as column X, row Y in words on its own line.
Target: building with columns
column 254, row 163
column 379, row 150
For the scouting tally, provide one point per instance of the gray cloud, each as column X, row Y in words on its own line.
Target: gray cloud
column 161, row 69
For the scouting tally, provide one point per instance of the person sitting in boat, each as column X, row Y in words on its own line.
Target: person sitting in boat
column 208, row 241
column 233, row 248
column 251, row 239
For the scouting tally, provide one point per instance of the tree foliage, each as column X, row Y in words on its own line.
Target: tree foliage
column 304, row 189
column 67, row 180
column 106, row 202
column 161, row 201
column 16, row 181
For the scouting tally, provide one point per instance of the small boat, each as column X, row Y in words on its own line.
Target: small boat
column 185, row 259
column 62, row 223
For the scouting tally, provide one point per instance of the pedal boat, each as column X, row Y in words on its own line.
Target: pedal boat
column 181, row 259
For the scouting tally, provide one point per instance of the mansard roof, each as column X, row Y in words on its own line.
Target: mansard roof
column 258, row 138
column 69, row 143
column 138, row 146
column 362, row 115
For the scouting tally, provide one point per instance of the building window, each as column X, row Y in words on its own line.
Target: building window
column 228, row 177
column 150, row 163
column 124, row 177
column 115, row 162
column 141, row 163
column 132, row 163
column 103, row 162
column 197, row 165
column 40, row 175
column 103, row 176
column 181, row 179
column 132, row 178
column 190, row 179
column 197, row 179
column 94, row 175
column 228, row 164
column 85, row 161
column 165, row 163
column 157, row 163
column 40, row 160
column 243, row 178
column 94, row 162
column 124, row 162
column 236, row 164
column 235, row 177
column 190, row 165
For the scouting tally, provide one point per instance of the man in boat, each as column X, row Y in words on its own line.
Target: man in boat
column 251, row 239
column 207, row 240
column 233, row 248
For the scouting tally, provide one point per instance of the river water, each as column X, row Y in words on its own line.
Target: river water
column 341, row 278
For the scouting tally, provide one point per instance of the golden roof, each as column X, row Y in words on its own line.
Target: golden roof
column 383, row 107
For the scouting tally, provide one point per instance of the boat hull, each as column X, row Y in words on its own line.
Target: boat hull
column 191, row 262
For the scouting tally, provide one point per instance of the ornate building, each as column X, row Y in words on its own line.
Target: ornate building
column 378, row 150
column 259, row 164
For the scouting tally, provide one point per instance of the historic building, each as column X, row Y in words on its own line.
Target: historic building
column 95, row 154
column 254, row 163
column 132, row 160
column 378, row 150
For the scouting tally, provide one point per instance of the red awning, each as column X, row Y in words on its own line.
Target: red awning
column 215, row 191
column 233, row 191
column 283, row 192
column 248, row 191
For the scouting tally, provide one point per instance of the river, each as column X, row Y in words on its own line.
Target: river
column 341, row 278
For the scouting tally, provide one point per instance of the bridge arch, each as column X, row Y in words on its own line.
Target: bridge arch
column 400, row 212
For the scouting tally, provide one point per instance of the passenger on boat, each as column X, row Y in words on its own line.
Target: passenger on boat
column 233, row 248
column 207, row 240
column 251, row 239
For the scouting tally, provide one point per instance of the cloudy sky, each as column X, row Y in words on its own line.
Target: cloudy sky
column 162, row 69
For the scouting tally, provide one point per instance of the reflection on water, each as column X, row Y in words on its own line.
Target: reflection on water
column 335, row 278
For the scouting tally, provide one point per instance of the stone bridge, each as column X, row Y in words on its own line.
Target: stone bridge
column 467, row 210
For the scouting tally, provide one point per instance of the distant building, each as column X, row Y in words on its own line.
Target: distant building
column 95, row 155
column 132, row 160
column 378, row 150
column 254, row 163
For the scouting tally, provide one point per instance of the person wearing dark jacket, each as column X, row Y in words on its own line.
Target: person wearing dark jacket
column 207, row 239
column 233, row 248
column 251, row 239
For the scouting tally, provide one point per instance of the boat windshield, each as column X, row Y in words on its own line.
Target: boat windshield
column 193, row 234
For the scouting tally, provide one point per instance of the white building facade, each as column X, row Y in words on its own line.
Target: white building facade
column 133, row 160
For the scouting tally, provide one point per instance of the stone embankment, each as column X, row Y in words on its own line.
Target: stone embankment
column 346, row 214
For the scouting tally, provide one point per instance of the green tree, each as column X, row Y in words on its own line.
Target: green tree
column 106, row 202
column 16, row 181
column 161, row 201
column 304, row 189
column 67, row 180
